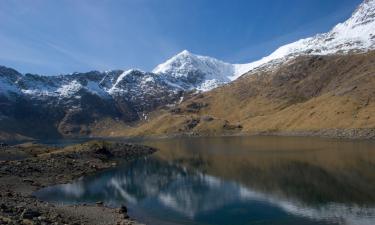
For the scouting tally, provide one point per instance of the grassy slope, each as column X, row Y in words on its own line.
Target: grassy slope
column 308, row 94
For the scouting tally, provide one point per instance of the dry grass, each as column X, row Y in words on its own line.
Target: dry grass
column 307, row 94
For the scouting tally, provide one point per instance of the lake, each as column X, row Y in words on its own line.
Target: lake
column 237, row 180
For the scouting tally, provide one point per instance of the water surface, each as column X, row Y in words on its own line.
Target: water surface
column 238, row 180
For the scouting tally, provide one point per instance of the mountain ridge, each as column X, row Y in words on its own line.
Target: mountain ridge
column 330, row 96
column 72, row 103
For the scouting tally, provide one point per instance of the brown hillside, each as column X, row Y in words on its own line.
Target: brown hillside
column 321, row 95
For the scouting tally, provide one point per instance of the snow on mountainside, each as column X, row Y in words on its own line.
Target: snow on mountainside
column 194, row 71
column 357, row 34
column 187, row 71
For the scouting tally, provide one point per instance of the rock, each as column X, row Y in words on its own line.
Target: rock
column 28, row 180
column 42, row 218
column 207, row 118
column 3, row 206
column 191, row 123
column 27, row 222
column 123, row 209
column 29, row 214
column 195, row 107
column 5, row 220
column 99, row 203
column 176, row 110
column 103, row 151
column 229, row 126
column 55, row 216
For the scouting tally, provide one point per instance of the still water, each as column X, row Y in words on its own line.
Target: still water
column 238, row 181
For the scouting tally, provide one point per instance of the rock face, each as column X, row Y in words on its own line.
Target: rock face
column 68, row 105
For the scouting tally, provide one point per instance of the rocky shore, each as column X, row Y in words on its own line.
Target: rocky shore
column 29, row 167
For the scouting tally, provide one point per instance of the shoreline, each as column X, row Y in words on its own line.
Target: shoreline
column 339, row 134
column 332, row 133
column 44, row 166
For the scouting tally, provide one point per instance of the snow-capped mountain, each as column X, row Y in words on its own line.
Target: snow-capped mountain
column 357, row 34
column 195, row 72
column 70, row 103
column 187, row 71
column 135, row 87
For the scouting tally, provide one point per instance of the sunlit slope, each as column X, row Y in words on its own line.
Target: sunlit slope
column 310, row 94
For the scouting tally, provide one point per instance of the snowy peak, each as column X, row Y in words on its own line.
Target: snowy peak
column 357, row 34
column 364, row 14
column 180, row 64
column 188, row 71
column 196, row 71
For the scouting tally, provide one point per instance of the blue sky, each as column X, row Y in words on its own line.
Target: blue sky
column 55, row 37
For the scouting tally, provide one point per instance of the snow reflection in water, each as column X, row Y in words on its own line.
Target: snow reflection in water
column 190, row 189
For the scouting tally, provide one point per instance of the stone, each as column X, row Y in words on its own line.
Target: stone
column 123, row 209
column 29, row 214
column 42, row 218
column 3, row 206
column 207, row 118
column 27, row 222
column 28, row 180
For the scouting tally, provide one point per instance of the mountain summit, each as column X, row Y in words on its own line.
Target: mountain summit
column 357, row 34
column 199, row 72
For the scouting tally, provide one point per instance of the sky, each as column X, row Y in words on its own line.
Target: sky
column 59, row 37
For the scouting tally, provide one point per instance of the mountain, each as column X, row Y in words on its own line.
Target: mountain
column 330, row 95
column 357, row 34
column 323, row 85
column 67, row 104
column 196, row 72
column 106, row 103
column 183, row 72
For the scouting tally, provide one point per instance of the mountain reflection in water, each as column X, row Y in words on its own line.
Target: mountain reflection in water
column 238, row 180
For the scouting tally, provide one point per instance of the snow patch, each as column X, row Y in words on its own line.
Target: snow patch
column 68, row 90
